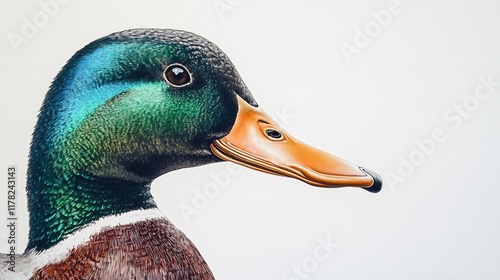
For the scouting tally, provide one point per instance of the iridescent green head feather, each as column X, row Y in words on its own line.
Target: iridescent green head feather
column 111, row 123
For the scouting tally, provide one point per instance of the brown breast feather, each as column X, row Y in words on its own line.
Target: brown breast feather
column 152, row 249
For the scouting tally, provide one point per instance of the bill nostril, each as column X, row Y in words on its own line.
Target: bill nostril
column 274, row 134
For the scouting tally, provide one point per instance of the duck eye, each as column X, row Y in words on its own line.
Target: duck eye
column 272, row 133
column 177, row 75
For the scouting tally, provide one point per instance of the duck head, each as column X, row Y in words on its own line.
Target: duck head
column 136, row 104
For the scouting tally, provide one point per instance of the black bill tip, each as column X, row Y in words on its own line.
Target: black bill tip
column 377, row 181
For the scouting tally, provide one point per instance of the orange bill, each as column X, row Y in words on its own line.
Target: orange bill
column 257, row 142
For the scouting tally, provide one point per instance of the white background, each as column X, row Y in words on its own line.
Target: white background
column 442, row 222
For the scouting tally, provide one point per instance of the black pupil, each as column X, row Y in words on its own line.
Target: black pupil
column 178, row 75
column 273, row 133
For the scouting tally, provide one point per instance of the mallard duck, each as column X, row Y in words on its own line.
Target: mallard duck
column 124, row 110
